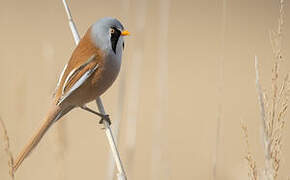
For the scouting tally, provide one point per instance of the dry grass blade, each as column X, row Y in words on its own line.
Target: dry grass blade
column 7, row 148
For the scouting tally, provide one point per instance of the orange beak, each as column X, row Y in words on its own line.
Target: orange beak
column 125, row 33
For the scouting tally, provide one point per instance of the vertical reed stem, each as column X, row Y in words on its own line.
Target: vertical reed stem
column 108, row 131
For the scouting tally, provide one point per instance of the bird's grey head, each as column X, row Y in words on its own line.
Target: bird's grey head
column 107, row 34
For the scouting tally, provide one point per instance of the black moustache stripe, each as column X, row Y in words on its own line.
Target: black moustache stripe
column 114, row 38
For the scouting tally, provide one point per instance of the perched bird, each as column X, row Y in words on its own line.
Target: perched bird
column 91, row 70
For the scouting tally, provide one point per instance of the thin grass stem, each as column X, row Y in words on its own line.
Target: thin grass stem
column 121, row 173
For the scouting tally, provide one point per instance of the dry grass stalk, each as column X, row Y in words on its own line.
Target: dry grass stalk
column 160, row 166
column 134, row 80
column 7, row 148
column 218, row 127
column 220, row 92
column 275, row 113
column 273, row 106
column 252, row 167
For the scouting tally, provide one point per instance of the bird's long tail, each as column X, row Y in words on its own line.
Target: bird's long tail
column 54, row 114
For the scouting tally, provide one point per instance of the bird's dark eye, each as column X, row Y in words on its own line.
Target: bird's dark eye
column 115, row 35
column 112, row 31
column 123, row 45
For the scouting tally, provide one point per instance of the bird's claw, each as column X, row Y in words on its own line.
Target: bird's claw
column 106, row 118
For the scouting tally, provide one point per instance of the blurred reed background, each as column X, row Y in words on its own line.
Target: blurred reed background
column 187, row 79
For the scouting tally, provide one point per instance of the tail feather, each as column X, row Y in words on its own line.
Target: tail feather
column 51, row 117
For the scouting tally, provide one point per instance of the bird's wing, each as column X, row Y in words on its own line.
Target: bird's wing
column 77, row 77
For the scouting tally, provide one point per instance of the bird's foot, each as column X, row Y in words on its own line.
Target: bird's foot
column 106, row 118
column 103, row 116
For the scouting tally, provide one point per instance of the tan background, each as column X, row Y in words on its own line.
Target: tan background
column 211, row 47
